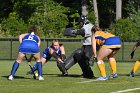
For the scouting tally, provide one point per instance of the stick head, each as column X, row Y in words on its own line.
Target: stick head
column 34, row 77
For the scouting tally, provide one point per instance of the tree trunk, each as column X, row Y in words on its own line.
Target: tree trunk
column 84, row 7
column 118, row 9
column 96, row 12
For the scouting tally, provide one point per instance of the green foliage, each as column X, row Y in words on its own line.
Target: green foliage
column 52, row 21
column 24, row 9
column 51, row 18
column 91, row 16
column 12, row 26
column 74, row 22
column 136, row 19
column 125, row 29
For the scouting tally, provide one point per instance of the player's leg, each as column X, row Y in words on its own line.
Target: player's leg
column 16, row 65
column 83, row 58
column 43, row 60
column 112, row 63
column 135, row 68
column 85, row 62
column 103, row 52
column 39, row 65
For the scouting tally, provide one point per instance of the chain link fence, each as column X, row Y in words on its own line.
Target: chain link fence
column 9, row 48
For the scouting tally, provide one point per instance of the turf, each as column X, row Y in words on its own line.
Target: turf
column 54, row 83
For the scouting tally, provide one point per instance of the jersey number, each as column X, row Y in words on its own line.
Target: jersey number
column 31, row 37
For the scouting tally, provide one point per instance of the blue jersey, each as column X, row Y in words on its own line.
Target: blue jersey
column 46, row 53
column 29, row 44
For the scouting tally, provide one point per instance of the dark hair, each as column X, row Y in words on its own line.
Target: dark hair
column 33, row 29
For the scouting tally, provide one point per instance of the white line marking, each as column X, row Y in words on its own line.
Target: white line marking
column 87, row 81
column 127, row 90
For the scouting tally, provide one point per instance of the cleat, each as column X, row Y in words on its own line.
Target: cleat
column 65, row 74
column 113, row 75
column 87, row 76
column 102, row 78
column 40, row 78
column 131, row 74
column 10, row 77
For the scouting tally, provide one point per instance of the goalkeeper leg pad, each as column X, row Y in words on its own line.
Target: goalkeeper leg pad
column 70, row 61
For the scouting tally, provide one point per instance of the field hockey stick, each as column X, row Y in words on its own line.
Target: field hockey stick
column 34, row 76
column 132, row 54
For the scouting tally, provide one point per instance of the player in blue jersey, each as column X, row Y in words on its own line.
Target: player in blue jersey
column 57, row 51
column 29, row 44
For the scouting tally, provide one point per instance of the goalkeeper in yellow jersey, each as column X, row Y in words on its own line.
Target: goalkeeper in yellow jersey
column 137, row 63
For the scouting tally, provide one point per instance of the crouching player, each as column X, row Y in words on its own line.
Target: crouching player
column 110, row 44
column 137, row 63
column 29, row 44
column 57, row 51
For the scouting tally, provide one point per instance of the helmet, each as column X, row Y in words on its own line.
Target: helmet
column 83, row 19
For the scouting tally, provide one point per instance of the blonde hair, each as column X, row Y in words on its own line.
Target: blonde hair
column 54, row 41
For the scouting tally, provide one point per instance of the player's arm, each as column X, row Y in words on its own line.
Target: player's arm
column 94, row 44
column 39, row 41
column 134, row 49
column 62, row 49
column 21, row 36
column 55, row 55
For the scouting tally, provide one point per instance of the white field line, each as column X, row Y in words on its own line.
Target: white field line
column 127, row 90
column 87, row 81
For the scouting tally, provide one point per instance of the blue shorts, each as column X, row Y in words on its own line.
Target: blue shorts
column 28, row 50
column 112, row 42
column 29, row 47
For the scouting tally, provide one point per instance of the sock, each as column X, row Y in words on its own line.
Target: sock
column 101, row 67
column 113, row 65
column 39, row 67
column 14, row 68
column 136, row 66
column 34, row 68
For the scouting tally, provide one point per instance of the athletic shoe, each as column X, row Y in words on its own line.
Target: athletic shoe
column 102, row 78
column 113, row 75
column 10, row 77
column 131, row 74
column 41, row 78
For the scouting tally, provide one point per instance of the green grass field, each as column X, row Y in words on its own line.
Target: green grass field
column 53, row 83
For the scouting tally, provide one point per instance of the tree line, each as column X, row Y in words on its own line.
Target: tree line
column 53, row 16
